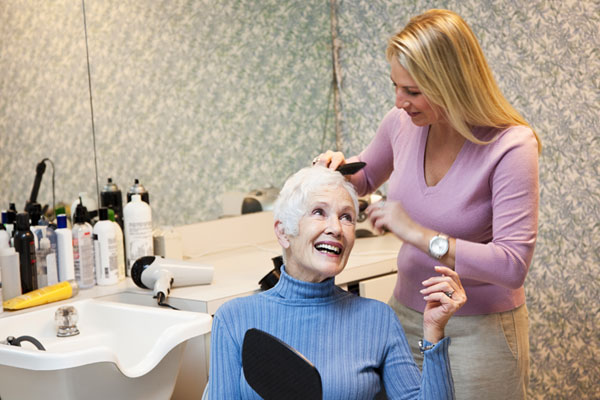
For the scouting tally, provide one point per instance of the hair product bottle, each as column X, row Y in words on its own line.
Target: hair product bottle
column 83, row 248
column 105, row 250
column 110, row 197
column 11, row 274
column 138, row 230
column 120, row 245
column 25, row 246
column 64, row 242
column 48, row 231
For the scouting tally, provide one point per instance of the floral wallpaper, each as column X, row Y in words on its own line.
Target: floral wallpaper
column 197, row 97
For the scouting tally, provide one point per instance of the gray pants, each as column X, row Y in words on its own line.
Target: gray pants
column 489, row 354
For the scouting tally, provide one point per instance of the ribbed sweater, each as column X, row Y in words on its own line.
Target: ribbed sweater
column 488, row 201
column 355, row 343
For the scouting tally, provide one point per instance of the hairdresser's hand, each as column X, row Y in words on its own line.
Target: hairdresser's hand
column 330, row 159
column 444, row 294
column 390, row 216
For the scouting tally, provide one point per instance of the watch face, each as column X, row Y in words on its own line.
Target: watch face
column 439, row 246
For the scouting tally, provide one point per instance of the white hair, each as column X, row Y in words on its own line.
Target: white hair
column 291, row 204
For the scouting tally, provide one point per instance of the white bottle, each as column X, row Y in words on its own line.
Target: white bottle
column 83, row 249
column 137, row 216
column 64, row 243
column 120, row 250
column 105, row 250
column 11, row 273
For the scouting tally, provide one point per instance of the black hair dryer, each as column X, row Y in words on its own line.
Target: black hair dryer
column 271, row 279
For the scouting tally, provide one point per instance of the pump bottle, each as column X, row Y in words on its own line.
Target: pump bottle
column 105, row 250
column 83, row 248
column 138, row 230
column 25, row 246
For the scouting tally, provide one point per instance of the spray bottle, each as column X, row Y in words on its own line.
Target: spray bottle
column 83, row 248
column 110, row 197
column 25, row 246
column 105, row 250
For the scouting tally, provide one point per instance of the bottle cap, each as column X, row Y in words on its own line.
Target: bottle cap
column 81, row 214
column 22, row 221
column 110, row 186
column 103, row 213
column 61, row 221
column 111, row 214
column 138, row 188
column 35, row 212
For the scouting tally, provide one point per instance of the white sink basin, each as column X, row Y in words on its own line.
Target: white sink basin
column 123, row 351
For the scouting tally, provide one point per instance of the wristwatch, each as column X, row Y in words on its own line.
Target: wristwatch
column 438, row 246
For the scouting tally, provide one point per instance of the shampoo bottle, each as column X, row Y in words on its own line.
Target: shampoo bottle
column 83, row 248
column 120, row 245
column 105, row 250
column 47, row 234
column 138, row 230
column 64, row 243
column 11, row 274
column 25, row 246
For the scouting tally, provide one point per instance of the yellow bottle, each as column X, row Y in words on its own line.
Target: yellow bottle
column 60, row 291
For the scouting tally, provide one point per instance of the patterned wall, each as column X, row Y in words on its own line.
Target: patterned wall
column 198, row 97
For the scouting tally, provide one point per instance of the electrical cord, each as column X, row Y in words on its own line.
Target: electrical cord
column 160, row 298
column 13, row 341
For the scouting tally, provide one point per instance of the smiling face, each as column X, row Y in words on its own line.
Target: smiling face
column 410, row 98
column 325, row 236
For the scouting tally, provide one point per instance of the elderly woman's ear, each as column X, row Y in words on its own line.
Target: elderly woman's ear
column 281, row 235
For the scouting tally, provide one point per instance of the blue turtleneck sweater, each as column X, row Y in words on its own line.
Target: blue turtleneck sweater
column 356, row 344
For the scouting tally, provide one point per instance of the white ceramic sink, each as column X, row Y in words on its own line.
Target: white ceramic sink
column 123, row 351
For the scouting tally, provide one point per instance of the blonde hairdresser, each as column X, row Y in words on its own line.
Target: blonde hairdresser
column 462, row 167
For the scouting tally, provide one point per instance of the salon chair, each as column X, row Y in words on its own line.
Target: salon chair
column 275, row 370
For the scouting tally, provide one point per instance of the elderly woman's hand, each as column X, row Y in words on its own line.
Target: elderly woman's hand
column 444, row 295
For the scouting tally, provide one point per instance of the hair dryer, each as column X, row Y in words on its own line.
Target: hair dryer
column 161, row 274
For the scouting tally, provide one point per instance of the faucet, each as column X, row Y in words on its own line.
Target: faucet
column 66, row 318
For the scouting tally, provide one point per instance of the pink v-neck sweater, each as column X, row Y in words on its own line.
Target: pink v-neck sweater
column 488, row 201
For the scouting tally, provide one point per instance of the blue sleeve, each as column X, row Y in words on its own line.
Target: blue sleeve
column 402, row 378
column 225, row 362
column 437, row 382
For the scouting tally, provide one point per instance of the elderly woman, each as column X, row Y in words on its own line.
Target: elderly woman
column 357, row 344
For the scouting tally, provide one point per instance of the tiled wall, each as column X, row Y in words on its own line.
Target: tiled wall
column 199, row 97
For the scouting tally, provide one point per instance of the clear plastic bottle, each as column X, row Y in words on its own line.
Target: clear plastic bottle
column 83, row 248
column 105, row 250
column 138, row 230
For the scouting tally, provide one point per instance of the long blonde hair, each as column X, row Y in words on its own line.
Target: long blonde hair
column 443, row 56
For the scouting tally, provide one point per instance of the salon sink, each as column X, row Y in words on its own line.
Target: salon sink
column 123, row 351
